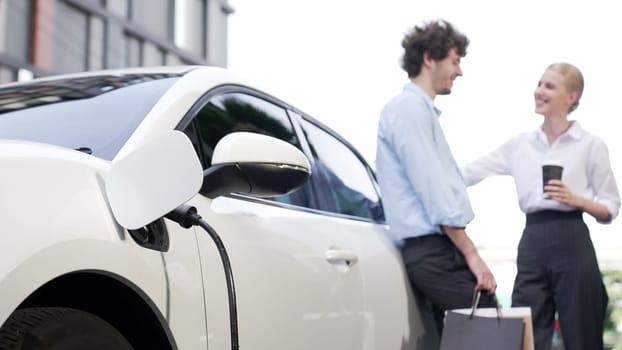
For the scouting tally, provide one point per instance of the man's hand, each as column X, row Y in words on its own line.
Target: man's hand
column 485, row 280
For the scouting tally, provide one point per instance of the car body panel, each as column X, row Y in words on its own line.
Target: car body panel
column 306, row 294
column 304, row 278
column 321, row 305
column 80, row 234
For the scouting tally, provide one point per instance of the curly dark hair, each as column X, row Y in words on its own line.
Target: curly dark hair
column 435, row 38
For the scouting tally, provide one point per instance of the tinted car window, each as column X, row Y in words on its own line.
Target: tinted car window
column 349, row 184
column 96, row 114
column 231, row 112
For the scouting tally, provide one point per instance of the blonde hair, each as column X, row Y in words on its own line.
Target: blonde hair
column 573, row 79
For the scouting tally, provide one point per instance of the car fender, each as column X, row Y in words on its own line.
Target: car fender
column 55, row 219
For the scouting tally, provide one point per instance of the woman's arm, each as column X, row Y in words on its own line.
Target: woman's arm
column 494, row 163
column 559, row 192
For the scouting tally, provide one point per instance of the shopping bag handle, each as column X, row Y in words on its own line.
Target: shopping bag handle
column 476, row 295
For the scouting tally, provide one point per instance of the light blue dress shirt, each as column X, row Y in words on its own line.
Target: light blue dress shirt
column 420, row 183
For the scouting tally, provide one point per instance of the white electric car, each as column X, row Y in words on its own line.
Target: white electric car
column 181, row 208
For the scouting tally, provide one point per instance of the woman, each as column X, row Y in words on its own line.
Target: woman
column 556, row 262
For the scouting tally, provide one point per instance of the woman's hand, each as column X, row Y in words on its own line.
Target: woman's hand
column 558, row 191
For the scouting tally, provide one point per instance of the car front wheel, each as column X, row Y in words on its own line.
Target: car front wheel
column 59, row 328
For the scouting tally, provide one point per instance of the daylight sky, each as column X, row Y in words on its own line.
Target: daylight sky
column 338, row 60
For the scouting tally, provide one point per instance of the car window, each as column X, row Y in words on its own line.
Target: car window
column 95, row 114
column 350, row 187
column 231, row 112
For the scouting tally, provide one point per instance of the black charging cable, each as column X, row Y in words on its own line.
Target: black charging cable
column 186, row 216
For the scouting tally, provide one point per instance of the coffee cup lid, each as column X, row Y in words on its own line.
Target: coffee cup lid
column 552, row 162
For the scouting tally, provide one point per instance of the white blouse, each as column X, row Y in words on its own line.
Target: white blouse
column 584, row 156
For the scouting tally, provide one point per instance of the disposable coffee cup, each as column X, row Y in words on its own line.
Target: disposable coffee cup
column 551, row 170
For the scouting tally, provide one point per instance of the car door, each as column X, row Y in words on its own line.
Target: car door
column 296, row 279
column 349, row 196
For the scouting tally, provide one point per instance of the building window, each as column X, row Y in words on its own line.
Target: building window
column 156, row 16
column 24, row 75
column 190, row 26
column 118, row 7
column 152, row 55
column 79, row 39
column 66, row 36
column 70, row 38
column 173, row 60
column 15, row 28
column 7, row 75
column 133, row 56
column 96, row 43
column 140, row 53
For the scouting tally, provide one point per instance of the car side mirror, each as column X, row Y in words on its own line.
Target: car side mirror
column 255, row 164
column 153, row 179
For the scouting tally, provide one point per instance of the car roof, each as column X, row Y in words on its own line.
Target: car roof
column 181, row 70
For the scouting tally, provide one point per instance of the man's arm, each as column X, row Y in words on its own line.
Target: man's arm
column 485, row 279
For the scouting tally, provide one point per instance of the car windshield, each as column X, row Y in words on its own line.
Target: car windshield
column 95, row 114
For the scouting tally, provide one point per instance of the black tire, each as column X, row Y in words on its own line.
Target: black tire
column 59, row 329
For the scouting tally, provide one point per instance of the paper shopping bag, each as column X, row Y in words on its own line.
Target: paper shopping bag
column 472, row 332
column 488, row 328
column 522, row 313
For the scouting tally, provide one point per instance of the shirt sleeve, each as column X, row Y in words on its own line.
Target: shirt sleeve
column 602, row 179
column 496, row 162
column 435, row 178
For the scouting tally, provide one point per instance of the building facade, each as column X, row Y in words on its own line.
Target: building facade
column 44, row 37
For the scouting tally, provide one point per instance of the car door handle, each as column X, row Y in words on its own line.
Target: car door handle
column 340, row 256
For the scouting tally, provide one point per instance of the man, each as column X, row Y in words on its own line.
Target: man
column 423, row 192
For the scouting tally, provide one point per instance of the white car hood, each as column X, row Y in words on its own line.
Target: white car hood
column 49, row 183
